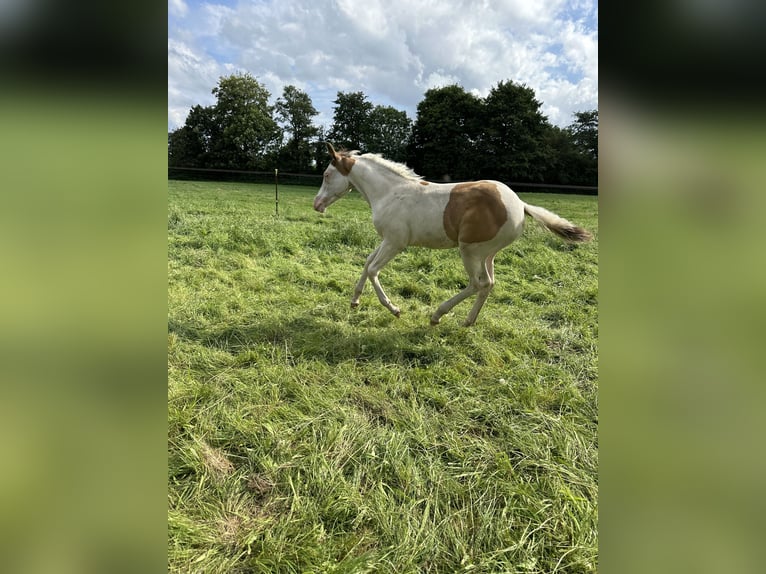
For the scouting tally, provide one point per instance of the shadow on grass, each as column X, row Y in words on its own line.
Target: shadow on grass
column 333, row 342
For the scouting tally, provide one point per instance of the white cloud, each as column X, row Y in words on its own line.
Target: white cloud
column 177, row 8
column 392, row 50
column 439, row 80
column 191, row 78
column 562, row 98
column 580, row 47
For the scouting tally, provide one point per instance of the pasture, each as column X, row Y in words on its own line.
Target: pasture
column 306, row 436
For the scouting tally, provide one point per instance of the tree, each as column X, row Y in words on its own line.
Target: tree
column 319, row 155
column 184, row 148
column 248, row 135
column 585, row 133
column 189, row 145
column 446, row 133
column 390, row 131
column 564, row 163
column 295, row 112
column 351, row 121
column 517, row 134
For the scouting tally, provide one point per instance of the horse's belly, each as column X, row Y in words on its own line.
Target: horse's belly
column 430, row 233
column 436, row 241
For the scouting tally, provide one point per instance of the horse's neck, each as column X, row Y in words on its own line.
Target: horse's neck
column 373, row 183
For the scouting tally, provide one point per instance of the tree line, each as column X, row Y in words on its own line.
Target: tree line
column 455, row 135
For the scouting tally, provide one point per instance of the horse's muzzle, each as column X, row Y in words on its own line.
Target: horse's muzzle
column 319, row 204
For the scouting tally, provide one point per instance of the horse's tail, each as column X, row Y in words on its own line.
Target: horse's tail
column 558, row 225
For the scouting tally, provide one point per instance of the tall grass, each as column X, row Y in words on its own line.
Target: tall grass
column 304, row 436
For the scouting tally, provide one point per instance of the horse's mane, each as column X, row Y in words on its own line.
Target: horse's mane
column 398, row 168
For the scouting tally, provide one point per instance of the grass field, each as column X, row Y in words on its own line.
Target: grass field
column 304, row 436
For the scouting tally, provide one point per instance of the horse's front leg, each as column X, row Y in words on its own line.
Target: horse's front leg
column 385, row 253
column 363, row 279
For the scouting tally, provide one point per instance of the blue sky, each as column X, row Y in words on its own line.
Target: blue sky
column 392, row 50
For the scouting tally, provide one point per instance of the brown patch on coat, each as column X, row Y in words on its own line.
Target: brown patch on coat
column 343, row 162
column 423, row 183
column 475, row 212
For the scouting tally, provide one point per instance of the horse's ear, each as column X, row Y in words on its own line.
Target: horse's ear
column 332, row 152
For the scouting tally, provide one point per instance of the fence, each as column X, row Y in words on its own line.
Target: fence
column 315, row 180
column 246, row 176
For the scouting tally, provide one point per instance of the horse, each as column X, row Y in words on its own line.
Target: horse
column 478, row 217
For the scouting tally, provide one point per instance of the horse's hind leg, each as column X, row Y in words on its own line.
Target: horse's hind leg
column 490, row 261
column 478, row 279
column 447, row 306
column 485, row 281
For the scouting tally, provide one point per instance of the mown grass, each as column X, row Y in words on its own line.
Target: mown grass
column 305, row 436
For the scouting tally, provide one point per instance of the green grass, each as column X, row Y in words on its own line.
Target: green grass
column 305, row 436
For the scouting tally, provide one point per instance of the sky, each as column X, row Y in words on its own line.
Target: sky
column 392, row 50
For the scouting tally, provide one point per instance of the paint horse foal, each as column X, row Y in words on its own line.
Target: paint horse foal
column 479, row 218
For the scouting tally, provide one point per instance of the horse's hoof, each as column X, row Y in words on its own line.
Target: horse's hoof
column 396, row 313
column 354, row 305
column 434, row 322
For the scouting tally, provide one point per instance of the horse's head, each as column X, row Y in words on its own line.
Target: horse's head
column 335, row 183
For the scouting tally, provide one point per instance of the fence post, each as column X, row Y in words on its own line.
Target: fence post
column 276, row 191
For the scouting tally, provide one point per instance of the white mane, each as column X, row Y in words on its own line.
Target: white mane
column 397, row 168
